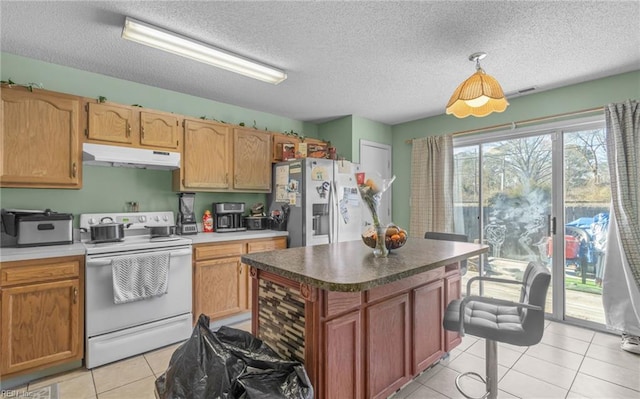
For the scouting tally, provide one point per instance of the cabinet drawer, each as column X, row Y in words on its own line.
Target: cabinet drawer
column 218, row 250
column 37, row 273
column 405, row 284
column 340, row 302
column 268, row 245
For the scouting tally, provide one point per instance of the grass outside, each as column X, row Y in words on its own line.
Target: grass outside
column 575, row 284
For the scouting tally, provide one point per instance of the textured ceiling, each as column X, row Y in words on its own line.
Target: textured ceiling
column 390, row 62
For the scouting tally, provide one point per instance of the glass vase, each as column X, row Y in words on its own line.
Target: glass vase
column 371, row 188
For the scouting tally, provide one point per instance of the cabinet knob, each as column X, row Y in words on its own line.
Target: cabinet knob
column 128, row 129
column 74, row 170
column 75, row 295
column 142, row 132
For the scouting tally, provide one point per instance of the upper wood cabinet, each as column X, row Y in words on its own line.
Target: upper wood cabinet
column 109, row 123
column 278, row 139
column 40, row 139
column 159, row 130
column 251, row 160
column 217, row 157
column 206, row 157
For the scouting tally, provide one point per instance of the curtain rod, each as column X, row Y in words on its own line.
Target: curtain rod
column 524, row 122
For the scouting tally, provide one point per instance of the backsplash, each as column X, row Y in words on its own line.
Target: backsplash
column 108, row 189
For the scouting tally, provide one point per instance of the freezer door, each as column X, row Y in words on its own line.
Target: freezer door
column 347, row 207
column 317, row 187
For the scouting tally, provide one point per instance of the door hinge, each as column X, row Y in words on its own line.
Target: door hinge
column 86, row 133
column 86, row 107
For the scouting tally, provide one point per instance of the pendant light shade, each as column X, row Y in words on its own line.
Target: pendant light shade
column 479, row 95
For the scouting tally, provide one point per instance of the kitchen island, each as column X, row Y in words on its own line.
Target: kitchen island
column 362, row 326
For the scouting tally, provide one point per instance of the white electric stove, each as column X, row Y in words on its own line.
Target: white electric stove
column 119, row 330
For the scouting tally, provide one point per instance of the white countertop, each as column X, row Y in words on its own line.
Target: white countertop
column 204, row 238
column 9, row 254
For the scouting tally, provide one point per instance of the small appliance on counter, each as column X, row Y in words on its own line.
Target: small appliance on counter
column 227, row 216
column 35, row 227
column 186, row 223
column 257, row 220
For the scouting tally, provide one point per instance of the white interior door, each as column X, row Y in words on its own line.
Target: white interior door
column 376, row 157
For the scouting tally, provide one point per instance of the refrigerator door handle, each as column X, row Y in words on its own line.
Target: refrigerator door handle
column 331, row 210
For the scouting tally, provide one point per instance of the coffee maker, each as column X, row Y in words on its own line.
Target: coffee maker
column 186, row 223
column 227, row 216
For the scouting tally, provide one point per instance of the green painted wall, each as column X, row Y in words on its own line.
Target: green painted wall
column 345, row 134
column 572, row 98
column 108, row 189
column 74, row 81
column 367, row 129
column 339, row 132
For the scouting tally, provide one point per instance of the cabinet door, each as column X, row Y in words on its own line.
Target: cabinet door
column 220, row 288
column 40, row 325
column 207, row 155
column 110, row 123
column 40, row 139
column 251, row 160
column 452, row 290
column 159, row 130
column 343, row 350
column 277, row 141
column 388, row 350
column 428, row 334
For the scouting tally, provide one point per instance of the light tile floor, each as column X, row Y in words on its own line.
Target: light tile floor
column 570, row 362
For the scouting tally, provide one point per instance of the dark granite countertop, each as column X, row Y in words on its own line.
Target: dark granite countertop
column 351, row 266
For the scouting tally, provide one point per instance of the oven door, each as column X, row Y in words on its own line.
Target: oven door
column 102, row 315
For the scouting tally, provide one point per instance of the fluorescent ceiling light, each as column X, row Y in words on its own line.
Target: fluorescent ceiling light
column 162, row 39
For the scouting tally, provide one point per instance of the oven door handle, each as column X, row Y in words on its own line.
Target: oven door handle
column 107, row 261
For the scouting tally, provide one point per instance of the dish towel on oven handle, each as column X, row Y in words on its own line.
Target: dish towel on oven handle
column 139, row 277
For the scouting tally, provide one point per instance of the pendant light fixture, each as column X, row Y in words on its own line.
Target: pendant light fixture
column 163, row 39
column 479, row 95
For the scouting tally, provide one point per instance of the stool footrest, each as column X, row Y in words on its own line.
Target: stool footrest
column 486, row 395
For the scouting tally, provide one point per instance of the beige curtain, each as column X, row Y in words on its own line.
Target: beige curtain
column 621, row 282
column 431, row 185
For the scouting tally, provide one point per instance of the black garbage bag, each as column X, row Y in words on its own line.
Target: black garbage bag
column 230, row 363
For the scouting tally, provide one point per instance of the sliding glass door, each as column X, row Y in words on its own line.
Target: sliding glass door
column 537, row 195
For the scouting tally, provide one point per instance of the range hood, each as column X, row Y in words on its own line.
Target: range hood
column 109, row 155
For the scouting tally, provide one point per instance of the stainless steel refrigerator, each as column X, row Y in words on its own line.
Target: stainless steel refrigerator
column 323, row 199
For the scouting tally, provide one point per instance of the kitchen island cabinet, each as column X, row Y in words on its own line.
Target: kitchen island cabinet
column 41, row 313
column 40, row 139
column 111, row 123
column 362, row 326
column 221, row 282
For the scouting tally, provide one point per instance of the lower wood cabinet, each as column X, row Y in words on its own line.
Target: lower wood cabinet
column 452, row 290
column 388, row 346
column 343, row 351
column 220, row 288
column 221, row 283
column 42, row 317
column 427, row 332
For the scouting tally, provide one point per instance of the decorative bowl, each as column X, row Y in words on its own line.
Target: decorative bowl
column 395, row 237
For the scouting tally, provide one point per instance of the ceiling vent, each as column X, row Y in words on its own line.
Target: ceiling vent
column 520, row 92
